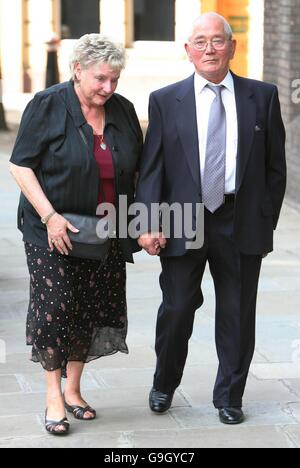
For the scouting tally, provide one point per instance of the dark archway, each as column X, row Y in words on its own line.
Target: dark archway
column 154, row 20
column 79, row 18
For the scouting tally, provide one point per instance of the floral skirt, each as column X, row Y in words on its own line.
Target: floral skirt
column 77, row 309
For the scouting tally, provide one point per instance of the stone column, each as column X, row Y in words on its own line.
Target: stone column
column 186, row 11
column 11, row 49
column 113, row 20
column 3, row 125
column 40, row 30
column 129, row 23
column 256, row 39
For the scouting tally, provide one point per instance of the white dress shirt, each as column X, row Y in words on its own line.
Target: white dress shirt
column 204, row 99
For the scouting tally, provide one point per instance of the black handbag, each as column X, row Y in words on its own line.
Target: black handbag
column 93, row 239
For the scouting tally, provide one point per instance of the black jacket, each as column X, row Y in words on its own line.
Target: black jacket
column 49, row 143
column 170, row 167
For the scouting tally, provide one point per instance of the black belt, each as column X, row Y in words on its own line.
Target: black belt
column 229, row 198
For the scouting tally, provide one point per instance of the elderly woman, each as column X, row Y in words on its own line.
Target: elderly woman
column 78, row 145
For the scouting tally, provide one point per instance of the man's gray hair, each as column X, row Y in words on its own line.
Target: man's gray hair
column 227, row 28
column 96, row 48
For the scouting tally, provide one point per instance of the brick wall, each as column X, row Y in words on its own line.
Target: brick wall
column 282, row 67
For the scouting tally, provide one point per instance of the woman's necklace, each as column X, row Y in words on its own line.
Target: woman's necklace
column 103, row 145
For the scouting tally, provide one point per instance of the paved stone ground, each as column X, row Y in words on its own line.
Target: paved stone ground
column 118, row 386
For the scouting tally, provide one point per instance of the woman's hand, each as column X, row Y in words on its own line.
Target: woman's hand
column 57, row 228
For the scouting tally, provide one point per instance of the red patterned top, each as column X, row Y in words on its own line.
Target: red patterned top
column 106, row 171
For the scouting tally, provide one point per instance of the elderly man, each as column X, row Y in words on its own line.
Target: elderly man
column 218, row 139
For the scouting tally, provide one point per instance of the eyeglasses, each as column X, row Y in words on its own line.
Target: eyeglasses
column 217, row 44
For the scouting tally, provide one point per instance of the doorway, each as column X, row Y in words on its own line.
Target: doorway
column 84, row 19
column 154, row 20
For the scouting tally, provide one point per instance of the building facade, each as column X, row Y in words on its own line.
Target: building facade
column 153, row 31
column 282, row 67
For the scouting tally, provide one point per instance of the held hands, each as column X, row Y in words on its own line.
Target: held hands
column 152, row 242
column 57, row 228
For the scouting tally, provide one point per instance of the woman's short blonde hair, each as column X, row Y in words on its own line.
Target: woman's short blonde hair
column 91, row 49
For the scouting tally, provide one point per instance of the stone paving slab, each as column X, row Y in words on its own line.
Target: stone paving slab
column 83, row 436
column 228, row 437
column 18, row 426
column 293, row 432
column 9, row 385
column 112, row 440
column 255, row 415
column 270, row 304
column 17, row 363
column 264, row 437
column 294, row 408
column 294, row 387
column 273, row 371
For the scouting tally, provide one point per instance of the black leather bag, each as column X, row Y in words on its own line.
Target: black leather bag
column 93, row 240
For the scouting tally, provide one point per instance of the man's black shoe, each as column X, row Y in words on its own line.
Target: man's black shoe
column 160, row 402
column 231, row 416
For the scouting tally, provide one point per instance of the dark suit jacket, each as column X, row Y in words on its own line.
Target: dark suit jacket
column 170, row 167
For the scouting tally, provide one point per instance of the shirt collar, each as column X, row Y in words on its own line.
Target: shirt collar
column 200, row 83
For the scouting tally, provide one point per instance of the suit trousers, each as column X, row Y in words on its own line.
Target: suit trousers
column 236, row 278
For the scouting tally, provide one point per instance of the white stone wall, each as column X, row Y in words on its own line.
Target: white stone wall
column 10, row 45
column 113, row 19
column 41, row 29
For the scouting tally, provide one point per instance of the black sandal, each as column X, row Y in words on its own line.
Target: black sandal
column 51, row 426
column 79, row 412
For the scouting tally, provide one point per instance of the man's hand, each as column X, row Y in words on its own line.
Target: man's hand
column 152, row 242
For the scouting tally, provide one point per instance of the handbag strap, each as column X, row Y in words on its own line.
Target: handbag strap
column 86, row 143
column 84, row 139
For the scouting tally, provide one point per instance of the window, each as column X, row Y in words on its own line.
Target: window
column 79, row 18
column 154, row 20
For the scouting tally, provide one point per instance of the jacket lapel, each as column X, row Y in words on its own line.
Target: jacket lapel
column 246, row 116
column 74, row 109
column 186, row 119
